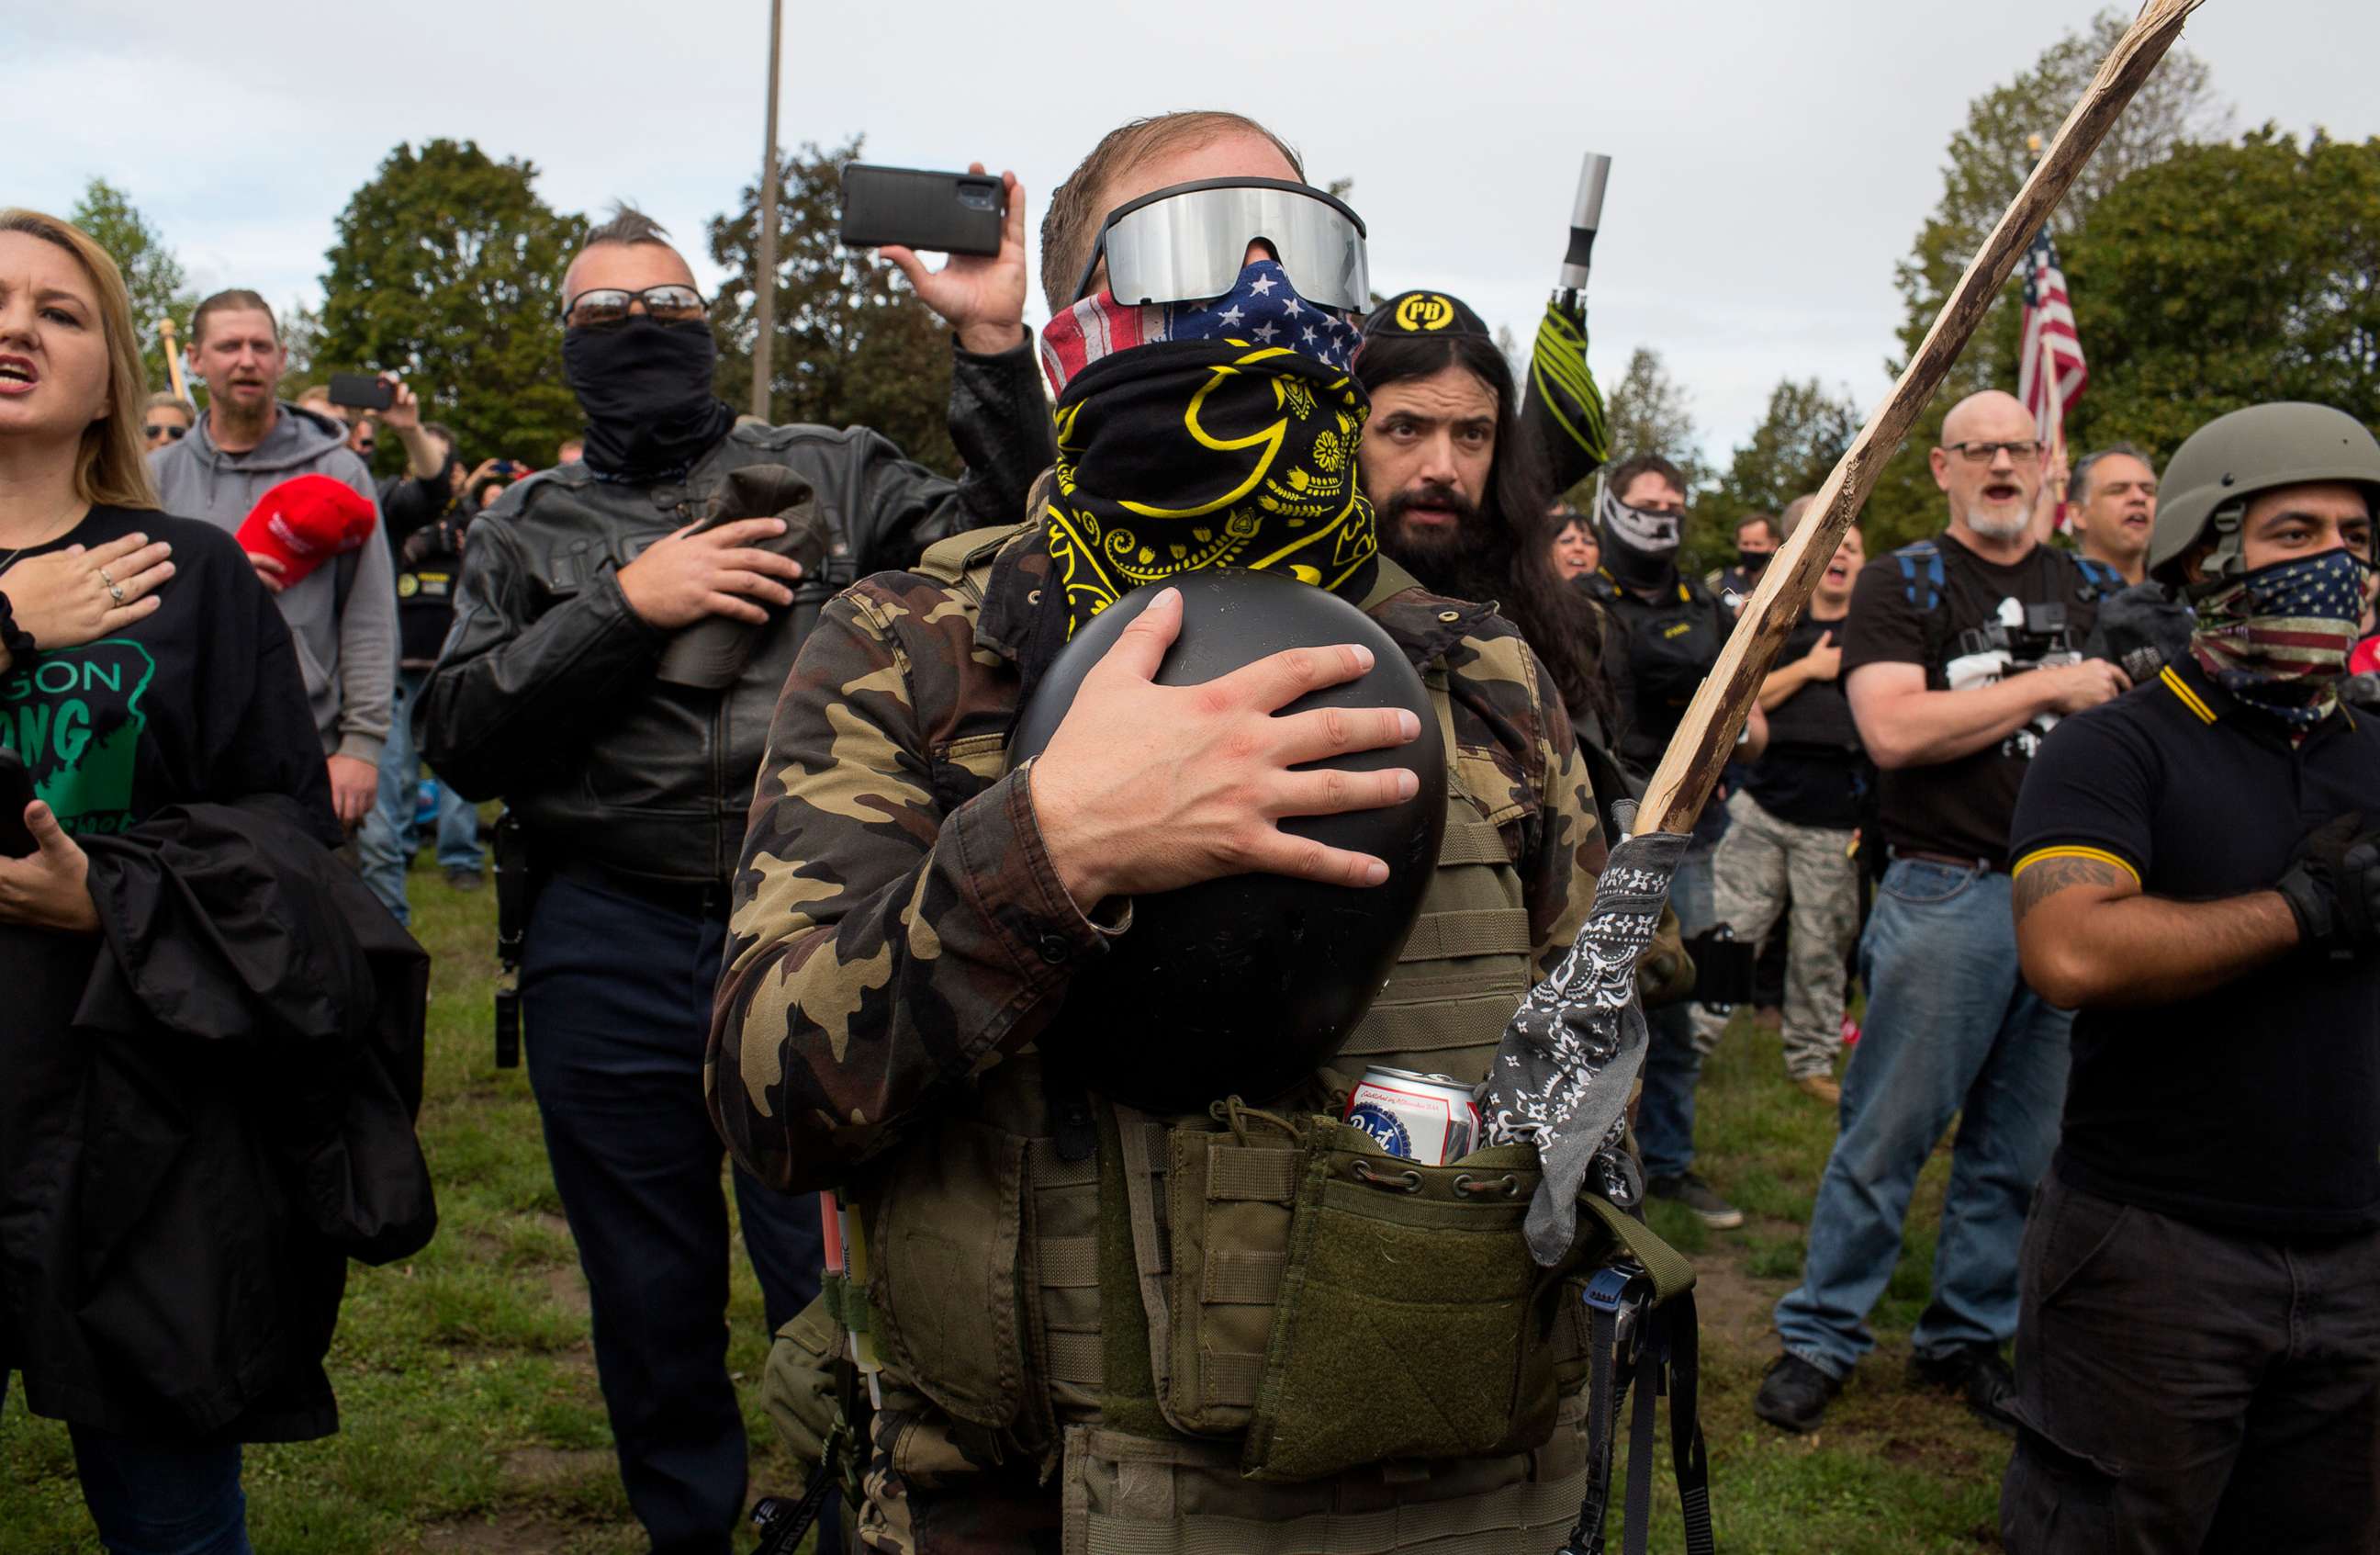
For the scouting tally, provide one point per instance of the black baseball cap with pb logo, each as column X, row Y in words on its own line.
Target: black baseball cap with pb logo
column 1424, row 313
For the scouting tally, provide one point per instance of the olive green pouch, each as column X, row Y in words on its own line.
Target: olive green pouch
column 799, row 1390
column 1411, row 1321
column 1233, row 1196
column 942, row 1282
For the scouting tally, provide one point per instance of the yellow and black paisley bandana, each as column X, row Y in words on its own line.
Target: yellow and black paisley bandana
column 1189, row 453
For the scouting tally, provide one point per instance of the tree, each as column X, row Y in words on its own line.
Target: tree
column 1989, row 161
column 854, row 347
column 152, row 273
column 448, row 267
column 1650, row 412
column 1806, row 429
column 2204, row 286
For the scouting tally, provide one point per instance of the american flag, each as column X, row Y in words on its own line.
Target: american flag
column 2050, row 344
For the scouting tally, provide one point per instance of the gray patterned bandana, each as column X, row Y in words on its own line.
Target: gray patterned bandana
column 1572, row 1050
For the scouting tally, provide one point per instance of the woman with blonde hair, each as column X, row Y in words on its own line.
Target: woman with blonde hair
column 158, row 1288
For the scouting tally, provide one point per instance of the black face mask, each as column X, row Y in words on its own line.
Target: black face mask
column 646, row 388
column 1752, row 561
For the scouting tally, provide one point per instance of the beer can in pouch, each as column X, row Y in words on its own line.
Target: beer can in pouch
column 1426, row 1119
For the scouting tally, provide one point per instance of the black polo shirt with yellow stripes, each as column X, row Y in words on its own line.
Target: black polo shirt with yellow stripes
column 2257, row 1107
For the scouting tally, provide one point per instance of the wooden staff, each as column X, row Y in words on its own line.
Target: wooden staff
column 172, row 360
column 1690, row 766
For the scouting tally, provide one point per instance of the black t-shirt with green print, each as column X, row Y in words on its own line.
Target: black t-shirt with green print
column 200, row 701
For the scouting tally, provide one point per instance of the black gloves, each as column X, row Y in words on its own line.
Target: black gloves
column 2333, row 885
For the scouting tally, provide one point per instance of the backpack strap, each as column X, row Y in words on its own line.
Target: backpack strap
column 964, row 561
column 1922, row 579
column 2104, row 579
column 1921, row 572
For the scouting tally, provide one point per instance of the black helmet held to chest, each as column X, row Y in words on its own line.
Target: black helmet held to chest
column 1245, row 985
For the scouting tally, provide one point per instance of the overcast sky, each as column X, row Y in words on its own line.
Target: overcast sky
column 1771, row 160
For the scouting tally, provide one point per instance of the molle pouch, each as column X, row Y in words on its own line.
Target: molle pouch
column 1233, row 1196
column 1411, row 1322
column 944, row 1227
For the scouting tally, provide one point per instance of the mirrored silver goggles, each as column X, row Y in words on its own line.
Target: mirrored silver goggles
column 1189, row 242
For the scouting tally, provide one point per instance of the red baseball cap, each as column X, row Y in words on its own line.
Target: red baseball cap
column 305, row 521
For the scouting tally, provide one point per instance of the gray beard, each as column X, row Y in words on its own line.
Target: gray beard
column 1995, row 528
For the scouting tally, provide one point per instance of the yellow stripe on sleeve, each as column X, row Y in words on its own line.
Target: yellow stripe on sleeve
column 2101, row 855
column 2190, row 698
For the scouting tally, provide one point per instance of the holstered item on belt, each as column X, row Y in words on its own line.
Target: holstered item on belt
column 1723, row 966
column 512, row 926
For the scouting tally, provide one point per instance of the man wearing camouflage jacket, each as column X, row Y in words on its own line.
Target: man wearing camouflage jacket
column 909, row 916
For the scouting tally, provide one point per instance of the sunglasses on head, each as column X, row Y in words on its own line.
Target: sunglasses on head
column 156, row 431
column 609, row 305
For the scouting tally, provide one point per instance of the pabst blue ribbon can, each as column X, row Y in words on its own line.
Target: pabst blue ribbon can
column 1426, row 1119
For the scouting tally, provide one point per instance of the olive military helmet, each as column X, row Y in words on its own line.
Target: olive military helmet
column 2206, row 488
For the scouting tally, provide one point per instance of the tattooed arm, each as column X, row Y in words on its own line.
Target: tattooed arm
column 2088, row 935
column 2084, row 837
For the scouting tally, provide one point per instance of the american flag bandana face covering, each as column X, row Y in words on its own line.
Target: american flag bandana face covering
column 1206, row 434
column 1263, row 308
column 2279, row 638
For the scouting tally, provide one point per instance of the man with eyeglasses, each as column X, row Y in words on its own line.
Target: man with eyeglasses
column 623, row 629
column 1958, row 656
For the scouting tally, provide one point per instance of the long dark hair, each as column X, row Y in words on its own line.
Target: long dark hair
column 1515, row 567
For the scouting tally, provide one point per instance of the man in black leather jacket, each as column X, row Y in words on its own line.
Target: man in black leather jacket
column 622, row 631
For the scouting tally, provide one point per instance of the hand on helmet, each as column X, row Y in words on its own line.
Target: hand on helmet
column 1146, row 789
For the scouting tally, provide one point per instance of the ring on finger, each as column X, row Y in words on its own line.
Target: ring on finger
column 114, row 589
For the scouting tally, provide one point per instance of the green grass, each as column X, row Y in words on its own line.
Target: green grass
column 1893, row 1471
column 472, row 1421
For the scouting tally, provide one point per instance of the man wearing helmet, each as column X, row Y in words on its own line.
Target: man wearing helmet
column 2196, row 873
column 919, row 920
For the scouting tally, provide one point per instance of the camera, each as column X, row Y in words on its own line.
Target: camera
column 2020, row 637
column 2026, row 632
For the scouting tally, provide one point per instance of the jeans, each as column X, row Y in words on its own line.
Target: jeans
column 2186, row 1388
column 1762, row 864
column 616, row 997
column 153, row 1497
column 1952, row 1031
column 1665, row 1112
column 388, row 838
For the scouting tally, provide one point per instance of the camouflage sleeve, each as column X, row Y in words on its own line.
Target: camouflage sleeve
column 1527, row 763
column 885, row 944
column 1560, row 875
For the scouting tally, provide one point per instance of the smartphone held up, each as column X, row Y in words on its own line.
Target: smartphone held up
column 362, row 391
column 937, row 213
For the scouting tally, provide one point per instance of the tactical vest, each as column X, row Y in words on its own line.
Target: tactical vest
column 1244, row 1328
column 1672, row 642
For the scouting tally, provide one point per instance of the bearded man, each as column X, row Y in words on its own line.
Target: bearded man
column 1461, row 487
column 1958, row 656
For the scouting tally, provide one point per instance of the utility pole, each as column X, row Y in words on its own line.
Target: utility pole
column 767, row 269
